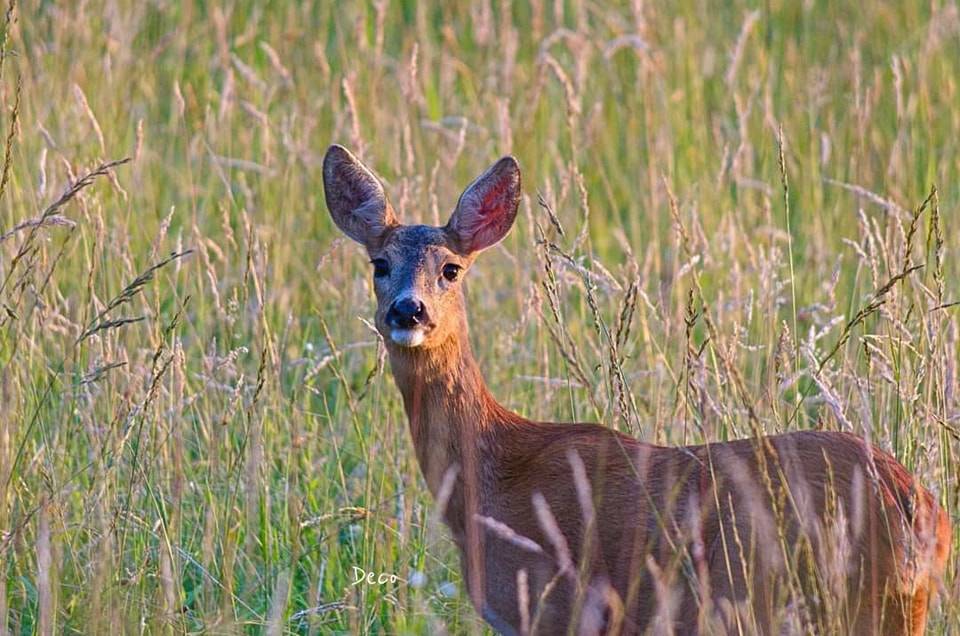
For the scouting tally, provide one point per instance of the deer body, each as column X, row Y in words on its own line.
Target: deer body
column 575, row 527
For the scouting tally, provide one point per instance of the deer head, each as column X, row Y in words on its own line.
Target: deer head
column 418, row 269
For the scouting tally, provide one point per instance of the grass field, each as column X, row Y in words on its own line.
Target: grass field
column 197, row 428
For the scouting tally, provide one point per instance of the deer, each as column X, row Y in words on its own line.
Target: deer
column 578, row 528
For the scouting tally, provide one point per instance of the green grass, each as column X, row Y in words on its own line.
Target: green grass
column 249, row 448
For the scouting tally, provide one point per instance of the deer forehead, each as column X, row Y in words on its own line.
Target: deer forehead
column 415, row 246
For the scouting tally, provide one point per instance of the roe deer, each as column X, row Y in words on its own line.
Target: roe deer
column 576, row 528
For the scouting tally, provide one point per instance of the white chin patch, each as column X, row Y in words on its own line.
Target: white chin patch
column 407, row 337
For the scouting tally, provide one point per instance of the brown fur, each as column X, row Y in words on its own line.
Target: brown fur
column 813, row 529
column 898, row 549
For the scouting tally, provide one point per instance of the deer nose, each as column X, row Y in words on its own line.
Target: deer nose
column 405, row 313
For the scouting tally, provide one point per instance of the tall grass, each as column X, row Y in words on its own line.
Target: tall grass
column 728, row 224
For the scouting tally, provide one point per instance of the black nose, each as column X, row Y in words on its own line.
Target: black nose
column 405, row 313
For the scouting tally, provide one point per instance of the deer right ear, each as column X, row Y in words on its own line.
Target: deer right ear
column 355, row 198
column 487, row 208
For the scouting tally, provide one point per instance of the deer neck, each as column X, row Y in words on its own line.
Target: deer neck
column 453, row 418
column 458, row 430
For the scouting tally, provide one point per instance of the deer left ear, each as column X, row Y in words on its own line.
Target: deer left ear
column 355, row 198
column 487, row 208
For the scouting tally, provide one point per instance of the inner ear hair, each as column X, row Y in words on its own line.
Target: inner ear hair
column 487, row 208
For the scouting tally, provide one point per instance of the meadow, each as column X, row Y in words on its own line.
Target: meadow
column 737, row 217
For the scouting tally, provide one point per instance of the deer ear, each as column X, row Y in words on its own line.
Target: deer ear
column 355, row 198
column 487, row 208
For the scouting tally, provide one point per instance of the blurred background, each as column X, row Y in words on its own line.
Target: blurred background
column 728, row 207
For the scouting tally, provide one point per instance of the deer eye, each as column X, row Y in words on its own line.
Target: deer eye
column 381, row 267
column 451, row 272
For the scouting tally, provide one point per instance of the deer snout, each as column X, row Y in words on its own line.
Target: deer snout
column 406, row 313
